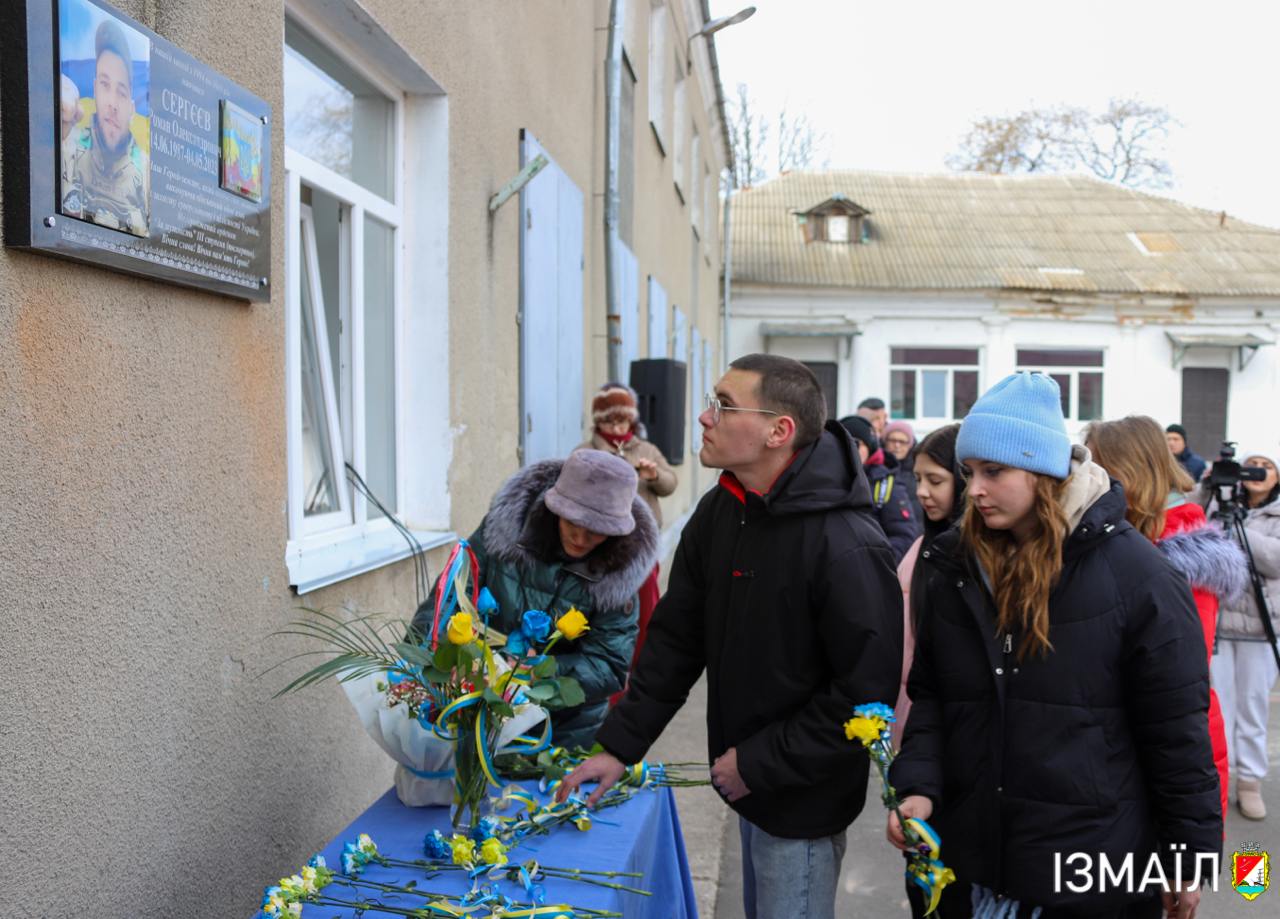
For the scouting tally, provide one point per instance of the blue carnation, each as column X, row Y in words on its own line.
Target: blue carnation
column 876, row 710
column 486, row 828
column 436, row 846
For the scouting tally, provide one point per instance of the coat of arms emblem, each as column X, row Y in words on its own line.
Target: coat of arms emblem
column 1250, row 871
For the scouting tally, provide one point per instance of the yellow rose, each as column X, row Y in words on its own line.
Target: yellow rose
column 572, row 624
column 461, row 631
column 866, row 730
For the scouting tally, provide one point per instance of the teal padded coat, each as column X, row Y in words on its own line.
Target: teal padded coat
column 518, row 547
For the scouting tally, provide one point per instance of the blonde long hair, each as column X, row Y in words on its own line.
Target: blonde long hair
column 1133, row 450
column 1023, row 574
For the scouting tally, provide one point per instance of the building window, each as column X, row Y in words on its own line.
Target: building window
column 1078, row 374
column 932, row 384
column 342, row 140
column 659, row 63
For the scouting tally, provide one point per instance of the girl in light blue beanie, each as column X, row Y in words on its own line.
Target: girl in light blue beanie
column 1059, row 684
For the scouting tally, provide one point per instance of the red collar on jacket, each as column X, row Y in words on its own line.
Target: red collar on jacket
column 615, row 439
column 729, row 482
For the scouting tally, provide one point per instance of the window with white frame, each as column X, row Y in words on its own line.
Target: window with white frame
column 932, row 384
column 1078, row 374
column 342, row 140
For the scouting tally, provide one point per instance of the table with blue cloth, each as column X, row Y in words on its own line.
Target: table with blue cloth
column 643, row 835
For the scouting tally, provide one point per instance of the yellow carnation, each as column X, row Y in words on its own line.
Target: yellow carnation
column 572, row 624
column 864, row 729
column 464, row 850
column 493, row 852
column 461, row 629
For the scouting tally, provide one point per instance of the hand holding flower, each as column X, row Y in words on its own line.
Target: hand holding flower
column 917, row 806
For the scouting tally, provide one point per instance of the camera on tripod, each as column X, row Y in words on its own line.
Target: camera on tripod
column 1227, row 473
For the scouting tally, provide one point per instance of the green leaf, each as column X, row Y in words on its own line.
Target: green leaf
column 446, row 656
column 502, row 709
column 542, row 692
column 571, row 692
column 545, row 668
column 432, row 675
column 413, row 654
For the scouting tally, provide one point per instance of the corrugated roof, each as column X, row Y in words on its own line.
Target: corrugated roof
column 973, row 231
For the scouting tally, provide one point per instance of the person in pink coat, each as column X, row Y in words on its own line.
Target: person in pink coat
column 940, row 491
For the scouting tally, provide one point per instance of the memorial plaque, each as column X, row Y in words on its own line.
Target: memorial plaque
column 122, row 150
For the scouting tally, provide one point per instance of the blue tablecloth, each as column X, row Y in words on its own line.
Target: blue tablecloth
column 642, row 835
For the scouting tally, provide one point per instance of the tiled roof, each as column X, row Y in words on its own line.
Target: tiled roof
column 980, row 232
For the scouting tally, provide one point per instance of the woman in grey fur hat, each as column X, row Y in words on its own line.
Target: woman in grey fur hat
column 561, row 534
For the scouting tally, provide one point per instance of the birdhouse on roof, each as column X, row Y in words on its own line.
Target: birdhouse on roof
column 836, row 220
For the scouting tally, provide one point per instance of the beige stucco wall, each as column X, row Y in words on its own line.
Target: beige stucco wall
column 143, row 474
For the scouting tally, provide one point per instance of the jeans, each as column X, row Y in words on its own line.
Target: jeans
column 789, row 878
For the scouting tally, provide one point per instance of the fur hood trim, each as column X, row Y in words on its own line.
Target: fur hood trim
column 612, row 574
column 1209, row 560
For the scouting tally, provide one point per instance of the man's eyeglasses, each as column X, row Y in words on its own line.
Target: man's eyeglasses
column 716, row 407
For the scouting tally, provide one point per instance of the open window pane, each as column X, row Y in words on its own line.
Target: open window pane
column 380, row 363
column 902, row 393
column 934, row 387
column 964, row 383
column 319, row 496
column 1090, row 396
column 335, row 116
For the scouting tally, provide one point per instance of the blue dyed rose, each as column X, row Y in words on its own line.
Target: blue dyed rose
column 485, row 604
column 536, row 625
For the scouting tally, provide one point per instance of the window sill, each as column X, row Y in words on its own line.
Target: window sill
column 318, row 562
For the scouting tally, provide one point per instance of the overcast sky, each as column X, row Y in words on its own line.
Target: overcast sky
column 895, row 83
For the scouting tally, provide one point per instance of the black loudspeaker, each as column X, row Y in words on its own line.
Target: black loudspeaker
column 660, row 386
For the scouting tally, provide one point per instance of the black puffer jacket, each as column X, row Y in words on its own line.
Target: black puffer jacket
column 791, row 603
column 891, row 494
column 1100, row 747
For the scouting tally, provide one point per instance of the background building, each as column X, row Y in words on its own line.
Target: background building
column 173, row 461
column 926, row 289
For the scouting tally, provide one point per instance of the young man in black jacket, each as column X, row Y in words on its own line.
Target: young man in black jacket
column 783, row 589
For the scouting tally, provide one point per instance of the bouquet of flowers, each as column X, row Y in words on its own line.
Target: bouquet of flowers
column 870, row 725
column 445, row 707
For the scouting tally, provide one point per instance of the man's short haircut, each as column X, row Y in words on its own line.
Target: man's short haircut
column 110, row 37
column 789, row 388
column 872, row 403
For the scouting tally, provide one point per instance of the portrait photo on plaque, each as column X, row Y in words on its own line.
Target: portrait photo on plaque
column 241, row 145
column 104, row 119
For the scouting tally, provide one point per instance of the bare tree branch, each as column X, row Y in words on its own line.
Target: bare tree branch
column 795, row 141
column 1121, row 144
